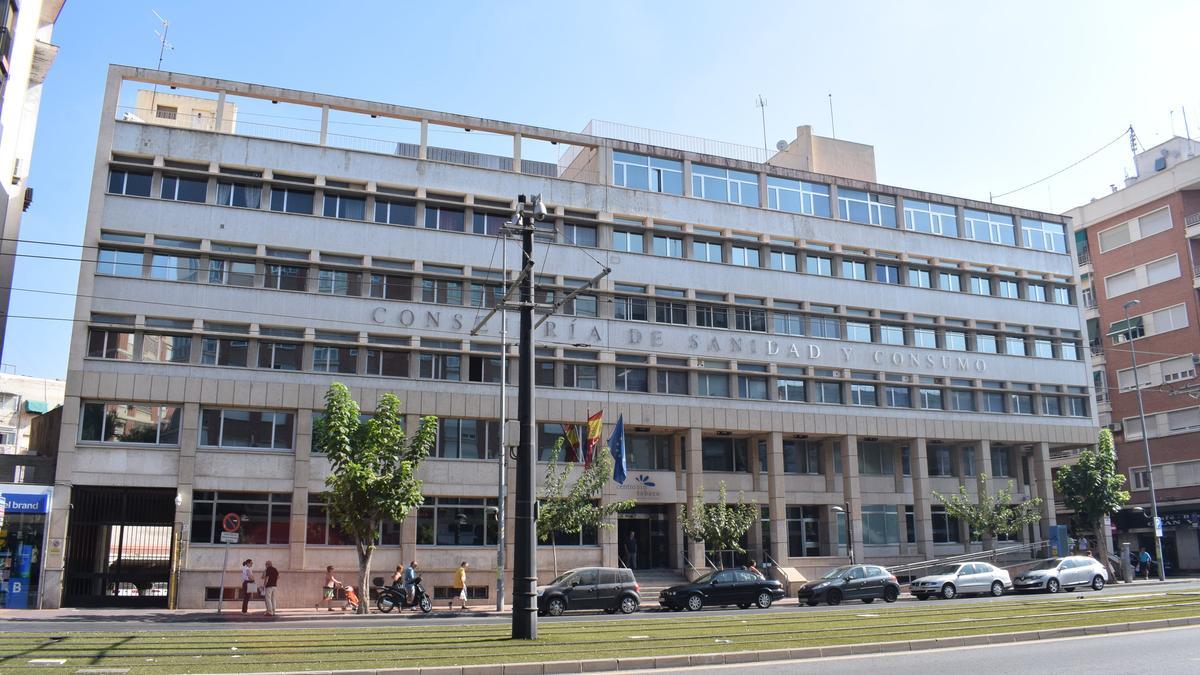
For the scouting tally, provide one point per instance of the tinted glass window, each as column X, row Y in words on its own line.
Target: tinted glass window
column 586, row 577
column 608, row 576
column 857, row 573
column 728, row 576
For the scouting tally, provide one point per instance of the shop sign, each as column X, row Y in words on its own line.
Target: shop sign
column 22, row 503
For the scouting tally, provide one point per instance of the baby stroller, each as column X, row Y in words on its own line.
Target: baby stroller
column 351, row 598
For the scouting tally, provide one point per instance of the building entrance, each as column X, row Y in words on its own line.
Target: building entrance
column 649, row 528
column 119, row 547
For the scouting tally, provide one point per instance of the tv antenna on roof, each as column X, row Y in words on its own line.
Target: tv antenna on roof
column 163, row 46
column 761, row 104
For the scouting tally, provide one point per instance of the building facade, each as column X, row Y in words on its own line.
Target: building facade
column 1138, row 244
column 818, row 344
column 25, row 59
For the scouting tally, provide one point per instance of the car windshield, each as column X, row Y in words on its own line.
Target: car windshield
column 1050, row 564
column 562, row 577
column 706, row 578
column 837, row 572
column 941, row 570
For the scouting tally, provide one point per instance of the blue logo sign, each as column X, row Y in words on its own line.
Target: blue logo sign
column 643, row 480
column 19, row 503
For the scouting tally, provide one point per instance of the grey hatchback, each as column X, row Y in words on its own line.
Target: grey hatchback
column 611, row 589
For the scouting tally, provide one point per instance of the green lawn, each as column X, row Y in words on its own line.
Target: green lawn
column 233, row 651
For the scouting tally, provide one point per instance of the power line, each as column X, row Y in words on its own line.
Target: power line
column 1064, row 169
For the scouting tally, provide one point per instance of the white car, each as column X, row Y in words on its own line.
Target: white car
column 1054, row 574
column 952, row 580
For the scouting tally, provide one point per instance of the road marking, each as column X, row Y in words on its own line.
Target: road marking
column 48, row 662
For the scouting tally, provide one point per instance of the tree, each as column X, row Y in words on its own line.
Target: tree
column 373, row 470
column 989, row 514
column 720, row 525
column 1091, row 487
column 569, row 509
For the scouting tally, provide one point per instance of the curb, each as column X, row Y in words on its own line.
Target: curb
column 729, row 658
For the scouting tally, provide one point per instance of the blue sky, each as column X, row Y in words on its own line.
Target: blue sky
column 959, row 98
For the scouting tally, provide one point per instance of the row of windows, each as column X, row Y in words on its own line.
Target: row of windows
column 859, row 206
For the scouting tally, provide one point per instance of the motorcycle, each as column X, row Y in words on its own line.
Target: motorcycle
column 392, row 597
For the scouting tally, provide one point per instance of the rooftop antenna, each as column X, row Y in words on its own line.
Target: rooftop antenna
column 1187, row 130
column 163, row 46
column 761, row 104
column 832, row 125
column 1133, row 146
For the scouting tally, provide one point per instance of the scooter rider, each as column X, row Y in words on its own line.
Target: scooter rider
column 410, row 580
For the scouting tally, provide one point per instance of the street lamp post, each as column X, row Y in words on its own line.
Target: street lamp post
column 849, row 530
column 1137, row 387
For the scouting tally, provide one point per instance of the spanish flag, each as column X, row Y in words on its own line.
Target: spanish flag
column 593, row 437
column 571, row 434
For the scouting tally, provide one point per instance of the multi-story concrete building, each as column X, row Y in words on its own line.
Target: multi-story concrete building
column 1138, row 261
column 25, row 59
column 22, row 400
column 816, row 342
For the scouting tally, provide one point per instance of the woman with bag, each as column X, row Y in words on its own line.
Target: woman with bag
column 248, row 586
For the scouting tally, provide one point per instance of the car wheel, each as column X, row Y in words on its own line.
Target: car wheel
column 1052, row 586
column 997, row 589
column 764, row 600
column 867, row 601
column 834, row 597
column 1097, row 583
column 949, row 591
column 628, row 605
column 922, row 596
column 890, row 594
column 695, row 603
column 555, row 607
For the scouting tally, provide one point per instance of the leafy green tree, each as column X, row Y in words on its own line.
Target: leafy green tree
column 720, row 525
column 570, row 507
column 1092, row 488
column 373, row 475
column 991, row 514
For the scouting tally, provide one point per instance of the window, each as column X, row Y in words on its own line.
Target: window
column 1162, row 270
column 825, row 391
column 993, row 402
column 853, row 269
column 239, row 194
column 262, row 429
column 279, row 355
column 949, row 281
column 395, row 213
column 876, row 459
column 712, row 316
column 335, row 359
column 581, row 235
column 993, row 227
column 440, row 366
column 387, row 362
column 1014, row 346
column 961, row 400
column 930, row 218
column 587, row 305
column 945, row 526
column 672, row 381
column 707, row 251
column 391, row 286
column 319, row 528
column 487, row 223
column 724, row 185
column 1035, row 293
column 752, row 387
column 804, row 531
column 745, row 256
column 648, row 452
column 158, row 348
column 725, row 454
column 291, row 200
column 224, row 351
column 788, row 324
column 824, row 327
column 985, row 343
column 880, row 525
column 713, row 384
column 1000, row 463
column 441, row 218
column 862, row 394
column 1077, row 407
column 1020, row 404
column 818, row 265
column 266, row 517
column 783, row 261
column 924, row 337
column 931, row 399
column 1051, row 405
column 887, row 274
column 670, row 311
column 801, row 457
column 919, row 278
column 130, row 423
column 967, row 457
column 581, row 375
column 1044, row 236
column 632, row 378
column 345, row 206
column 897, row 397
column 468, row 439
column 183, row 189
column 457, row 521
column 110, row 344
column 1121, row 283
column 129, row 183
column 750, row 318
column 119, row 263
column 1043, row 349
column 670, row 247
column 338, row 282
column 628, row 242
column 866, row 207
column 231, row 272
column 1070, row 352
column 891, row 335
column 1008, row 289
column 647, row 173
column 981, row 285
column 798, row 196
column 441, row 291
column 286, row 277
column 789, row 389
column 938, row 461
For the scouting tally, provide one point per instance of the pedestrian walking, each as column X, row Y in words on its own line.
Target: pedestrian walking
column 328, row 589
column 248, row 586
column 1144, row 561
column 460, row 585
column 1083, row 544
column 631, row 551
column 270, row 582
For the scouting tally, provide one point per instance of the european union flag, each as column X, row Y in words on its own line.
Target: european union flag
column 616, row 446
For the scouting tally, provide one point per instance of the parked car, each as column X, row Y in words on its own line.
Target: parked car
column 1054, row 574
column 952, row 580
column 611, row 589
column 851, row 582
column 722, row 587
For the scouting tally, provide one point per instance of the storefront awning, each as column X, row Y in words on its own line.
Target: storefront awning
column 1133, row 325
column 37, row 407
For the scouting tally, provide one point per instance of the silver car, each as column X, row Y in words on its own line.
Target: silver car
column 1054, row 574
column 949, row 581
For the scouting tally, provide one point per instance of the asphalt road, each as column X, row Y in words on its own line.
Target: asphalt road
column 1170, row 651
column 100, row 620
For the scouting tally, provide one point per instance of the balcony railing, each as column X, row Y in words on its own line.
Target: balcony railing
column 1084, row 256
column 1193, row 219
column 1196, row 271
column 1097, row 348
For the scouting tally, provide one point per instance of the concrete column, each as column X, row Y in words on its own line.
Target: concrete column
column 604, row 169
column 219, row 122
column 833, row 201
column 758, row 480
column 687, row 178
column 517, row 153
column 1044, row 486
column 762, row 190
column 695, row 482
column 777, row 498
column 300, row 477
column 852, row 493
column 827, row 465
column 324, row 124
column 898, row 468
column 920, row 482
column 423, row 148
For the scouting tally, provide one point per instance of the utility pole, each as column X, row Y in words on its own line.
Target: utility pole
column 524, row 616
column 502, row 491
column 1137, row 386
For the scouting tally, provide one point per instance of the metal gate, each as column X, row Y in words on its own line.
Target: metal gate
column 119, row 547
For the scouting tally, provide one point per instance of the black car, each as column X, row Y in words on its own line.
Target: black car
column 722, row 587
column 852, row 582
column 611, row 589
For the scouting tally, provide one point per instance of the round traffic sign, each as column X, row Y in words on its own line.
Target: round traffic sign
column 232, row 522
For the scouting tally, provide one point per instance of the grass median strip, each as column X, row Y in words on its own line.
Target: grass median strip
column 234, row 651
